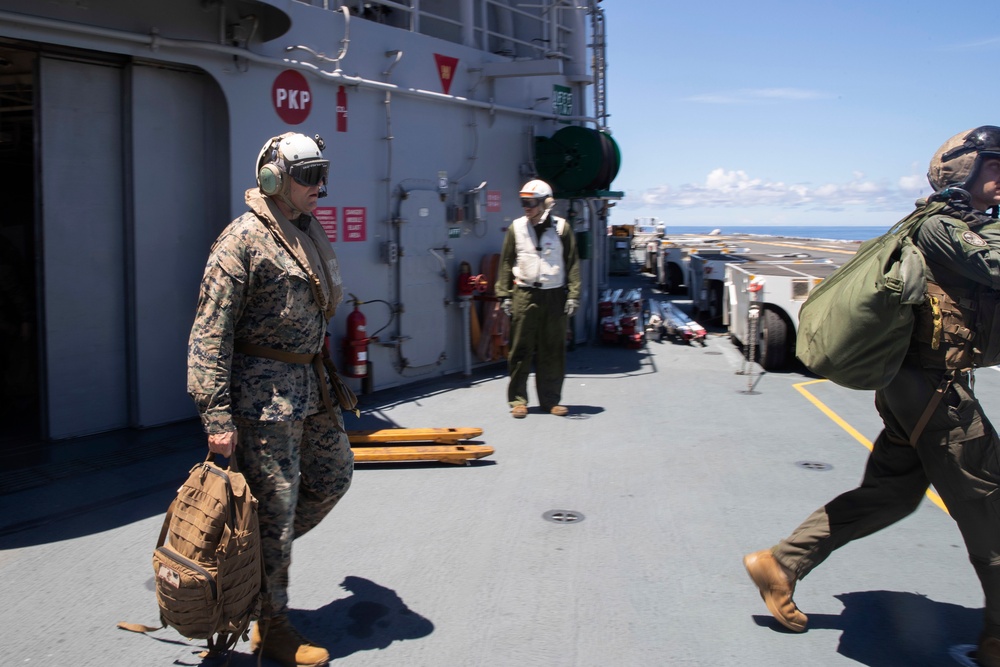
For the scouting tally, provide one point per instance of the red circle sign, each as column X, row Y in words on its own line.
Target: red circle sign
column 291, row 97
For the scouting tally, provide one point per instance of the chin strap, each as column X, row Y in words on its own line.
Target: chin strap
column 544, row 216
column 284, row 199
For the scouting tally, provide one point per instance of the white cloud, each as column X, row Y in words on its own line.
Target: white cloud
column 913, row 183
column 983, row 44
column 736, row 189
column 760, row 95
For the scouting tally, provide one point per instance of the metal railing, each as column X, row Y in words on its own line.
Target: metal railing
column 508, row 27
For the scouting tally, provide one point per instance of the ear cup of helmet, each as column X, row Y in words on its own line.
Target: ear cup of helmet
column 270, row 179
column 549, row 202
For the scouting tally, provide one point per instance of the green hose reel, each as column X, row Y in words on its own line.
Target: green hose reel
column 577, row 161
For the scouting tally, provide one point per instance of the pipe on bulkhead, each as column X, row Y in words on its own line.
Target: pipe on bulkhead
column 345, row 41
column 466, row 16
column 155, row 42
column 465, row 305
column 575, row 66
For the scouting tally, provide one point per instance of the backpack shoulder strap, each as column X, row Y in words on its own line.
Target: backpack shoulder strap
column 909, row 225
column 139, row 627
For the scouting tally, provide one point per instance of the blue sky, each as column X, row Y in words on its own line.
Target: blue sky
column 792, row 113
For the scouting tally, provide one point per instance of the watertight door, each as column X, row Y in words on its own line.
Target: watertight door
column 426, row 273
column 127, row 222
column 181, row 188
column 83, row 252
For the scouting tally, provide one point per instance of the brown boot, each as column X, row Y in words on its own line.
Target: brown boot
column 776, row 585
column 278, row 640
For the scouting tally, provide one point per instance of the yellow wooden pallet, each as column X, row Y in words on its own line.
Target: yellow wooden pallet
column 417, row 444
column 441, row 436
column 457, row 454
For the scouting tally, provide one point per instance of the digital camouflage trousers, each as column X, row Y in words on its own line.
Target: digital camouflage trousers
column 298, row 471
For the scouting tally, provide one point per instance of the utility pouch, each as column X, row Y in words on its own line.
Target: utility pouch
column 346, row 397
column 942, row 325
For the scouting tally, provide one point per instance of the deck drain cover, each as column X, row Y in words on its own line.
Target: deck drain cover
column 814, row 465
column 563, row 516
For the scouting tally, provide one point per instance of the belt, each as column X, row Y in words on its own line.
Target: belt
column 255, row 350
column 318, row 361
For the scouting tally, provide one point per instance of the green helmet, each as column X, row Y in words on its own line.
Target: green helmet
column 956, row 164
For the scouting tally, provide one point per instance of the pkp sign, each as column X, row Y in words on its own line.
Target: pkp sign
column 291, row 97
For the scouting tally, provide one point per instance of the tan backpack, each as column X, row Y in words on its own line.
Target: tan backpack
column 207, row 562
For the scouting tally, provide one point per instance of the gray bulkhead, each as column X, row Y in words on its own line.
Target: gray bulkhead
column 150, row 116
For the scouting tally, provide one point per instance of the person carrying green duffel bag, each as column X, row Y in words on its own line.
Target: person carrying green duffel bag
column 945, row 260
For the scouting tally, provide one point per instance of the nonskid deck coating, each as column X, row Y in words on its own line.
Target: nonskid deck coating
column 678, row 464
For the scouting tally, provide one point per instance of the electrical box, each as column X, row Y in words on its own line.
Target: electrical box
column 475, row 203
column 390, row 252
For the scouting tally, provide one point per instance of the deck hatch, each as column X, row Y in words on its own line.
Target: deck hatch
column 563, row 516
column 814, row 465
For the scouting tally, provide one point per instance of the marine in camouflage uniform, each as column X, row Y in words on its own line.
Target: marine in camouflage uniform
column 935, row 431
column 261, row 286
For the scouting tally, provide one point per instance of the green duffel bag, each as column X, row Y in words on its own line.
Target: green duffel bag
column 855, row 327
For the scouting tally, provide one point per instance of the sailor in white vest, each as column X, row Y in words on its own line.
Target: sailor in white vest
column 539, row 286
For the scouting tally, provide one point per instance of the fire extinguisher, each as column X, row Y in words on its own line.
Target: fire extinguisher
column 356, row 344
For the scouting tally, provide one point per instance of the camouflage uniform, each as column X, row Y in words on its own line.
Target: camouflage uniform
column 959, row 450
column 295, row 454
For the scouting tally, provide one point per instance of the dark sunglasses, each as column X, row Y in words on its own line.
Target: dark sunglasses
column 310, row 172
column 530, row 203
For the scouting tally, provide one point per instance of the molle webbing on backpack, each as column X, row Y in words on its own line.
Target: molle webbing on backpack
column 207, row 562
column 947, row 327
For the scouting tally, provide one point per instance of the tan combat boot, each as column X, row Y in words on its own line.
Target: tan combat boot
column 776, row 585
column 278, row 640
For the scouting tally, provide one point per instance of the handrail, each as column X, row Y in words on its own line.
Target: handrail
column 157, row 42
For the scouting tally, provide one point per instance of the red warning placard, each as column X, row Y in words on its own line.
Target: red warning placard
column 446, row 70
column 355, row 224
column 327, row 216
column 493, row 201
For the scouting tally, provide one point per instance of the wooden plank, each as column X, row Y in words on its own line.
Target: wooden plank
column 442, row 436
column 442, row 453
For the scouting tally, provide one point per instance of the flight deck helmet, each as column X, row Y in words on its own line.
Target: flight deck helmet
column 537, row 192
column 955, row 166
column 292, row 157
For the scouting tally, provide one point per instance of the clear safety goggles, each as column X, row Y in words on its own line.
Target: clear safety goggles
column 310, row 172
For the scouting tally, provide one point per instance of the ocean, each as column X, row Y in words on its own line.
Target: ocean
column 837, row 233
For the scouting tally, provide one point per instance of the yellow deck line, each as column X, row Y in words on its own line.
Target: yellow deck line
column 931, row 494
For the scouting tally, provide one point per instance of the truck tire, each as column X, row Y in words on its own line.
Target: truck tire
column 675, row 279
column 714, row 301
column 772, row 341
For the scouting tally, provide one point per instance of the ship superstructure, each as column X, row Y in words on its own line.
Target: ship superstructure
column 130, row 132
